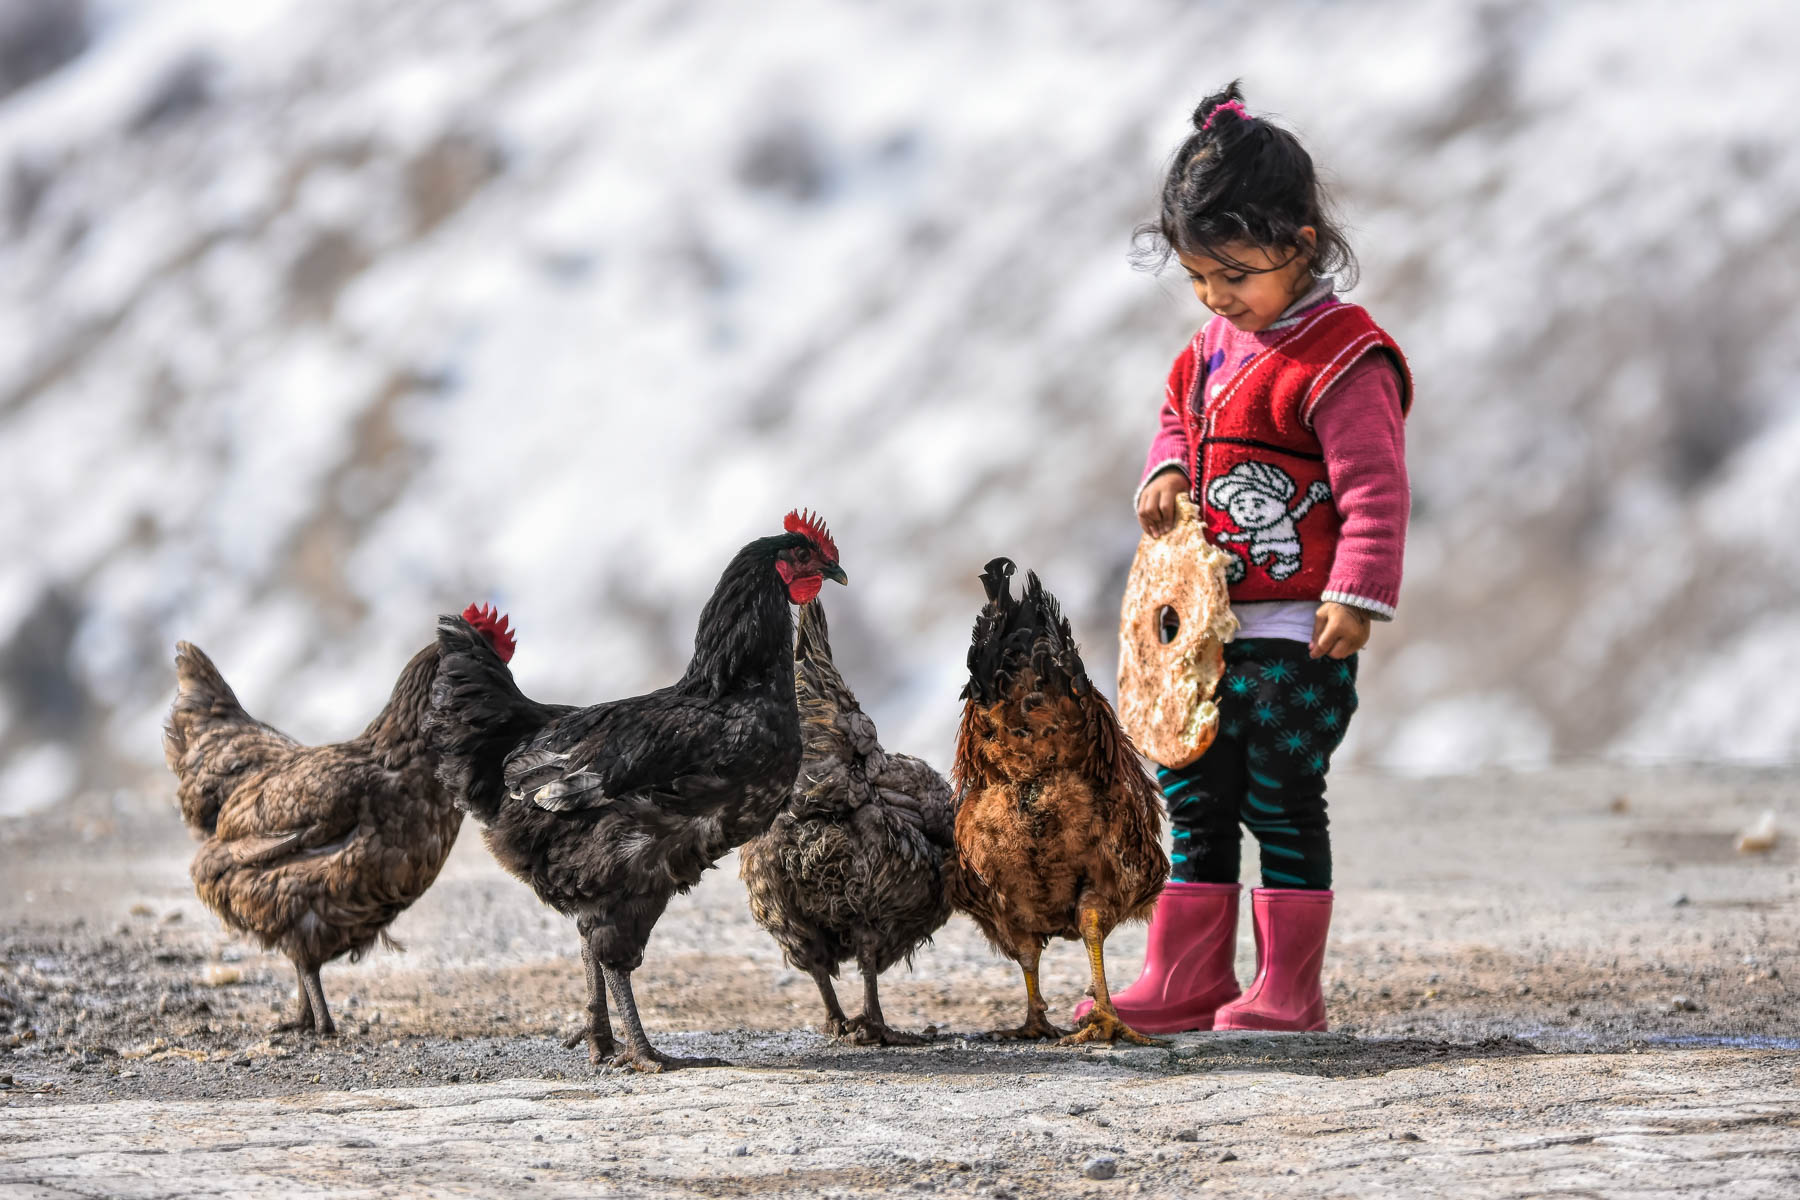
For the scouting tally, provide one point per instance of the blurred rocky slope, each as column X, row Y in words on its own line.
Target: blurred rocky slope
column 319, row 318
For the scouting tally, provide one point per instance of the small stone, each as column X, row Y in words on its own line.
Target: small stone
column 1408, row 1136
column 1760, row 837
column 1103, row 1122
column 740, row 1151
column 1188, row 1135
column 1682, row 1004
column 1524, row 989
column 140, row 909
column 172, row 918
column 218, row 975
column 1077, row 1108
column 1101, row 1166
column 1228, row 1156
column 1620, row 804
column 1680, row 900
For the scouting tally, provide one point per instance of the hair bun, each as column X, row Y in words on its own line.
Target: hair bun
column 1230, row 100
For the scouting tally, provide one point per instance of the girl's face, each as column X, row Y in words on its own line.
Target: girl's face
column 1251, row 300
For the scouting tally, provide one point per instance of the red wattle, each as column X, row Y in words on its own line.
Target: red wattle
column 805, row 589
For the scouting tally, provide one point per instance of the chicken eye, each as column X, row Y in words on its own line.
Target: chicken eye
column 803, row 555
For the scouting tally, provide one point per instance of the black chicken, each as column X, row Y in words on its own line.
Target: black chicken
column 855, row 867
column 608, row 811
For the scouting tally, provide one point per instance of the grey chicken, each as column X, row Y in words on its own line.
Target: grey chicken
column 854, row 868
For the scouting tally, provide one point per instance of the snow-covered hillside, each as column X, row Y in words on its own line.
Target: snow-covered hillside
column 320, row 318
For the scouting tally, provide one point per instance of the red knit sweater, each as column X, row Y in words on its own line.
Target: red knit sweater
column 1359, row 424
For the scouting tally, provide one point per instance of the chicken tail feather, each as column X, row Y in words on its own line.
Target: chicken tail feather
column 203, row 700
column 1015, row 634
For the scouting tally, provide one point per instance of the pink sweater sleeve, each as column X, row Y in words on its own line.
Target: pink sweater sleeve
column 1169, row 450
column 1361, row 428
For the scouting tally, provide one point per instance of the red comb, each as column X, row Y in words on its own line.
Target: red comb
column 491, row 624
column 801, row 521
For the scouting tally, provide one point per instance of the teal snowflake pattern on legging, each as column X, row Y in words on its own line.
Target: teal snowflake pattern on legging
column 1281, row 716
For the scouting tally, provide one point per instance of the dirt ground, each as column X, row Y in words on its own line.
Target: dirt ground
column 1562, row 983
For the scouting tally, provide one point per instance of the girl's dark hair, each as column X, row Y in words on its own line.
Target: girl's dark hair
column 1242, row 178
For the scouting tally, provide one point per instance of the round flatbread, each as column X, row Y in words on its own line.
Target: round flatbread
column 1173, row 626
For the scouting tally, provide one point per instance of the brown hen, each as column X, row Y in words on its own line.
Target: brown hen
column 1058, row 826
column 312, row 850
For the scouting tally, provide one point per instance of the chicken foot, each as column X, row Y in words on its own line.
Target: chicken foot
column 641, row 1055
column 1037, row 1022
column 598, row 1035
column 868, row 1028
column 1103, row 1023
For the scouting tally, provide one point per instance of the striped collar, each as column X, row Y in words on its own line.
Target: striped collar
column 1324, row 288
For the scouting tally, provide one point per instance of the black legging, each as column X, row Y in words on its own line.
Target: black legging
column 1281, row 715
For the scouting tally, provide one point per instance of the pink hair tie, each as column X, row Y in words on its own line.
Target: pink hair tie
column 1229, row 106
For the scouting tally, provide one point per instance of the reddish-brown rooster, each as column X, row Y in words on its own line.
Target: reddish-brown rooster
column 1058, row 826
column 312, row 850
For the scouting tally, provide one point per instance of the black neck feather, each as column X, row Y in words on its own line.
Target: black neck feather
column 746, row 633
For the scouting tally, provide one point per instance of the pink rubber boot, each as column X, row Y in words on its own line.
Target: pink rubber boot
column 1291, row 924
column 1187, row 961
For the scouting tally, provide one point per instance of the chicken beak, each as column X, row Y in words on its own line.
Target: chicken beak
column 832, row 571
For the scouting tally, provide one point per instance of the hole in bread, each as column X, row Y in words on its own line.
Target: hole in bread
column 1168, row 624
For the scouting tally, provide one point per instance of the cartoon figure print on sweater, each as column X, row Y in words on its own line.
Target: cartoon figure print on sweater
column 1256, row 495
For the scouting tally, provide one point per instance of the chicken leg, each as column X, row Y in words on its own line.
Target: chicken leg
column 315, row 994
column 868, row 1028
column 302, row 1020
column 836, row 1023
column 1037, row 1023
column 598, row 1035
column 1103, row 1023
column 641, row 1055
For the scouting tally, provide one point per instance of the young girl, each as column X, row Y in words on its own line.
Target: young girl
column 1283, row 419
